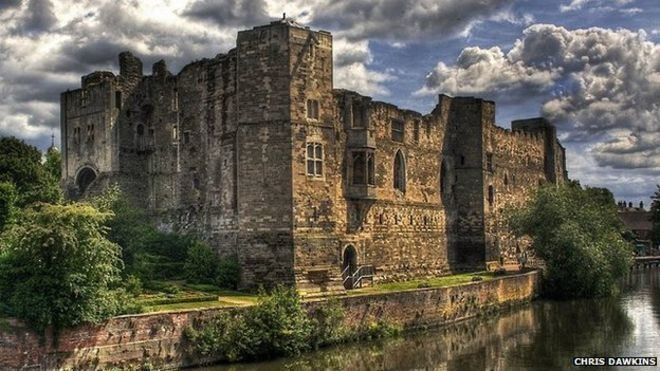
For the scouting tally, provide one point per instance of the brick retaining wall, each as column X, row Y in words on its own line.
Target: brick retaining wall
column 158, row 338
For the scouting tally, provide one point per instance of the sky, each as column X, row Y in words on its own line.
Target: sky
column 592, row 67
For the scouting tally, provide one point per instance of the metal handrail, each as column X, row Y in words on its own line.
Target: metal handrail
column 358, row 274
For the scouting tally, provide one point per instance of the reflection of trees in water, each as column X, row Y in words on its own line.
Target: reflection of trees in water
column 543, row 336
column 573, row 328
column 466, row 345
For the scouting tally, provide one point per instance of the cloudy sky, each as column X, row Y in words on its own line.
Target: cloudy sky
column 590, row 66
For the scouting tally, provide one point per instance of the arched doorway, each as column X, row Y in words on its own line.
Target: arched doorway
column 85, row 177
column 349, row 265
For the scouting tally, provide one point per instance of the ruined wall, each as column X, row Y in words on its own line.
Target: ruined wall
column 158, row 339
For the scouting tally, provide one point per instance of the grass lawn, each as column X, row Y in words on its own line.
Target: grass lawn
column 164, row 296
column 452, row 280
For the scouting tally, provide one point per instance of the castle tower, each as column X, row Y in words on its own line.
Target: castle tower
column 284, row 75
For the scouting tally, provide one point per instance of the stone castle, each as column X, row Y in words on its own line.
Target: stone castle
column 304, row 184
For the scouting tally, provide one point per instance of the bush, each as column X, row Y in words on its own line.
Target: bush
column 201, row 264
column 229, row 274
column 328, row 327
column 579, row 236
column 58, row 269
column 8, row 200
column 278, row 326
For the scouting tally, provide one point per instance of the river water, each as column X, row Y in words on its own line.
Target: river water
column 544, row 335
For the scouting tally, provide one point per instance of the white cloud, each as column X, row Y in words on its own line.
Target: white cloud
column 46, row 45
column 599, row 5
column 600, row 86
column 480, row 70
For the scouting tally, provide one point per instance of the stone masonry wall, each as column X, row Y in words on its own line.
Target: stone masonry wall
column 158, row 339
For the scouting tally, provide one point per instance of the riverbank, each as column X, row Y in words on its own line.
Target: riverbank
column 158, row 338
column 544, row 335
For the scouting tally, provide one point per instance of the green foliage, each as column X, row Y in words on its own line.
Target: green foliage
column 378, row 330
column 229, row 273
column 8, row 200
column 328, row 325
column 655, row 217
column 579, row 236
column 128, row 227
column 21, row 164
column 147, row 253
column 201, row 264
column 53, row 164
column 278, row 326
column 58, row 269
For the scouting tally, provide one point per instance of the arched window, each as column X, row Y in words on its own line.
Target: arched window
column 399, row 172
column 506, row 180
column 491, row 195
column 358, row 168
column 443, row 178
column 139, row 138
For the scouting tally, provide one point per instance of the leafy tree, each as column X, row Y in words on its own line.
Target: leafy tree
column 201, row 264
column 8, row 199
column 21, row 164
column 229, row 273
column 578, row 236
column 58, row 269
column 128, row 226
column 53, row 164
column 655, row 217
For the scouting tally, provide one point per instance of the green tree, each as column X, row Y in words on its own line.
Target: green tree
column 21, row 164
column 201, row 264
column 578, row 236
column 8, row 199
column 53, row 164
column 655, row 217
column 58, row 269
column 128, row 226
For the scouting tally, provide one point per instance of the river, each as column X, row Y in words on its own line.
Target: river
column 544, row 335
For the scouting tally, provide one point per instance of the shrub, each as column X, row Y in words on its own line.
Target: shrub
column 8, row 200
column 229, row 273
column 579, row 236
column 279, row 325
column 201, row 264
column 133, row 285
column 378, row 330
column 328, row 327
column 58, row 269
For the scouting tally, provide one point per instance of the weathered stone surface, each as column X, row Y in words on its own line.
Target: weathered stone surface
column 158, row 339
column 223, row 149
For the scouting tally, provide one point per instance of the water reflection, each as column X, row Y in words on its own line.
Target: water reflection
column 543, row 336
